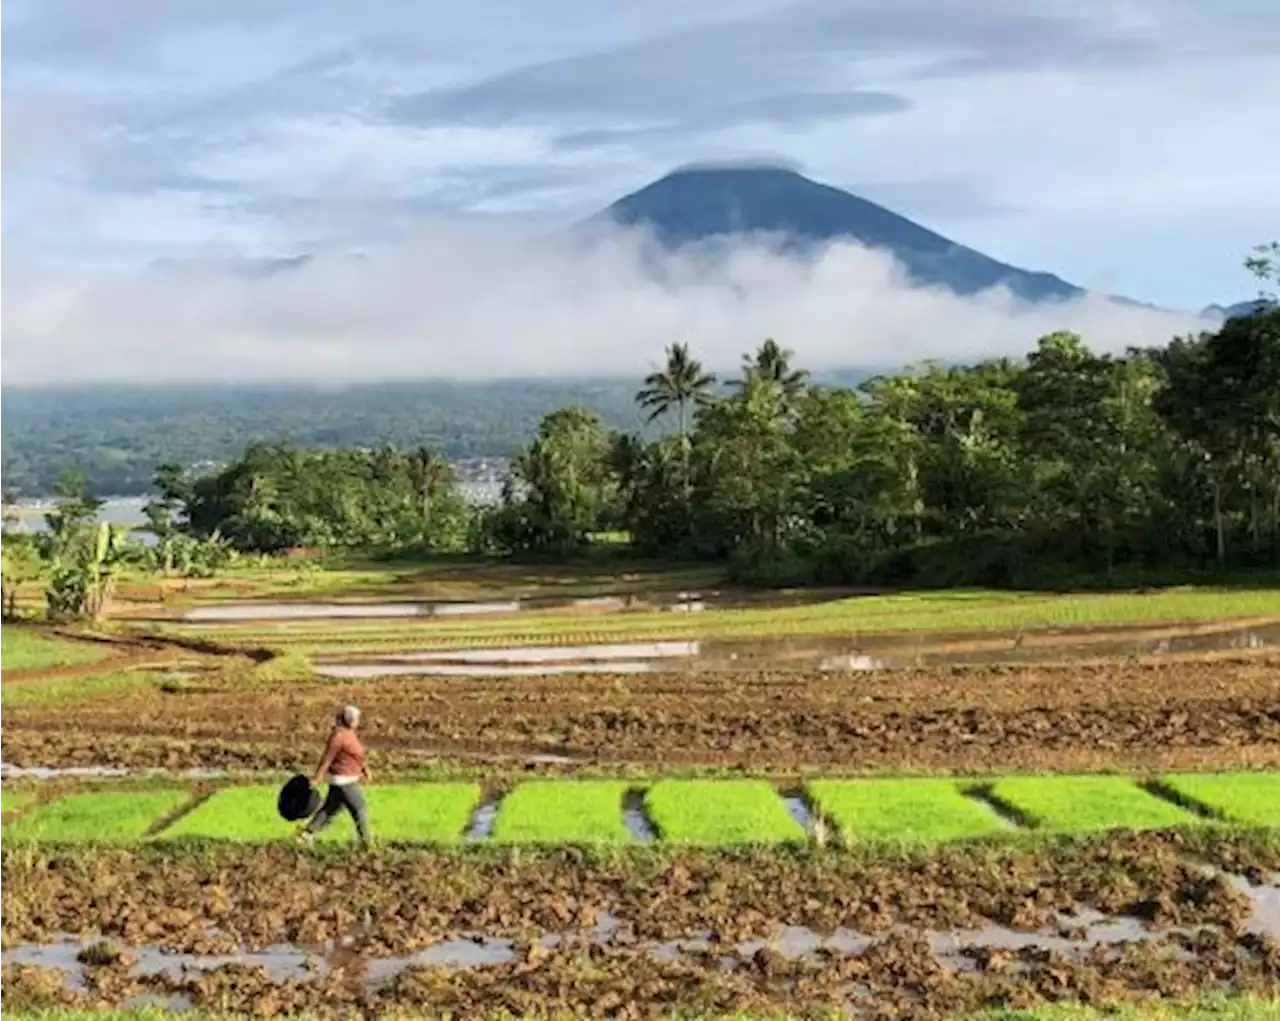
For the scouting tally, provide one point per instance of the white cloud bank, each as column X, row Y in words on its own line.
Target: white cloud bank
column 465, row 304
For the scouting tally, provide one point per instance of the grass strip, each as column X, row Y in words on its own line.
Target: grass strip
column 72, row 689
column 23, row 648
column 92, row 818
column 1081, row 804
column 909, row 811
column 564, row 812
column 715, row 812
column 404, row 813
column 1252, row 798
column 16, row 801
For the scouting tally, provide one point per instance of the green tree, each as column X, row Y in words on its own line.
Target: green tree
column 680, row 384
column 771, row 367
column 430, row 474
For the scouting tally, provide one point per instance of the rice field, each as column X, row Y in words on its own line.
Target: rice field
column 962, row 610
column 1251, row 798
column 1083, row 804
column 411, row 813
column 564, row 812
column 720, row 813
column 694, row 812
column 74, row 689
column 23, row 648
column 914, row 810
column 97, row 818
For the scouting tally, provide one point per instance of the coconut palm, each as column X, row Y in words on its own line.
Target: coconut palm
column 772, row 367
column 680, row 384
column 428, row 471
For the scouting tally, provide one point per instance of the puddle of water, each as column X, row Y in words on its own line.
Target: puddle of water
column 1071, row 935
column 54, row 956
column 798, row 809
column 281, row 963
column 636, row 819
column 481, row 825
column 360, row 671
column 555, row 653
column 454, row 953
column 9, row 771
column 1265, row 920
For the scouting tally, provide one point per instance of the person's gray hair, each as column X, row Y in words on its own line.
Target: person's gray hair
column 349, row 715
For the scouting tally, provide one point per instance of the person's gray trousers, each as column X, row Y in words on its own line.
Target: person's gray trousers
column 349, row 796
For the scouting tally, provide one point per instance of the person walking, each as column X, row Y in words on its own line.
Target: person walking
column 344, row 766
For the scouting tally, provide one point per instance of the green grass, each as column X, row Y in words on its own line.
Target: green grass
column 1077, row 804
column 903, row 810
column 409, row 813
column 16, row 801
column 25, row 648
column 71, row 689
column 720, row 812
column 564, row 812
column 84, row 818
column 1252, row 798
column 1214, row 1008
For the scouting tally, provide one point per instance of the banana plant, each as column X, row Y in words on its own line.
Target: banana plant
column 81, row 583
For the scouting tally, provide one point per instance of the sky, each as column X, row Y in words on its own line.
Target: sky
column 156, row 151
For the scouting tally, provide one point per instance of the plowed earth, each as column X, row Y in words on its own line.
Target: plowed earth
column 210, row 901
column 1190, row 714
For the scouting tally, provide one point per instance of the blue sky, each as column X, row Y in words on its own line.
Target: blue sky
column 1122, row 144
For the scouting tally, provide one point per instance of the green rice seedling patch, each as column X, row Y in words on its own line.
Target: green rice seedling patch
column 1252, row 798
column 563, row 812
column 921, row 810
column 26, row 648
column 1088, row 803
column 244, row 814
column 16, row 801
column 409, row 813
column 72, row 689
column 715, row 812
column 84, row 818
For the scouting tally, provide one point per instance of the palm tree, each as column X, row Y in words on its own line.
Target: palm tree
column 678, row 385
column 772, row 366
column 428, row 471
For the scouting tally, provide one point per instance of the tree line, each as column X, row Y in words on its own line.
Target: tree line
column 1066, row 463
column 990, row 473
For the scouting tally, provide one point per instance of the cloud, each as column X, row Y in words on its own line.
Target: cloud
column 473, row 304
column 692, row 72
column 791, row 111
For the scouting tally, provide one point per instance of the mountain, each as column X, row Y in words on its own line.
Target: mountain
column 1222, row 313
column 699, row 203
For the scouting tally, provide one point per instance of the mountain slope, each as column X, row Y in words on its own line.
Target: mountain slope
column 1240, row 308
column 699, row 203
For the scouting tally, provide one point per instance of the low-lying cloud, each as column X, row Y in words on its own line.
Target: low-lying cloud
column 470, row 304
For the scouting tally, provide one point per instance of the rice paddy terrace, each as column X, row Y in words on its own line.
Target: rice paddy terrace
column 642, row 793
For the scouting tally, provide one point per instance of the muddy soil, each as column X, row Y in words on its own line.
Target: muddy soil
column 1223, row 712
column 1190, row 928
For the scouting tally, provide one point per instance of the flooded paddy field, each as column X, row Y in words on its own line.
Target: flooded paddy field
column 266, row 929
column 701, row 716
